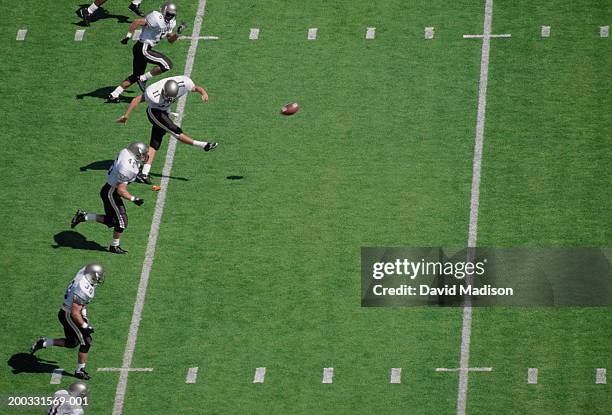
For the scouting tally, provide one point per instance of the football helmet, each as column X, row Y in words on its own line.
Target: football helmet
column 140, row 151
column 170, row 91
column 168, row 10
column 95, row 274
column 78, row 389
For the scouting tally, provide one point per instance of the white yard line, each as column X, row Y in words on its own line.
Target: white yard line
column 260, row 375
column 490, row 36
column 56, row 376
column 466, row 329
column 328, row 375
column 254, row 34
column 192, row 375
column 155, row 224
column 532, row 376
column 125, row 369
column 396, row 375
column 461, row 369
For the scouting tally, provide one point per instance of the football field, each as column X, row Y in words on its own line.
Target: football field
column 419, row 138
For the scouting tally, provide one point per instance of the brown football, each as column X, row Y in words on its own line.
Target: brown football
column 290, row 109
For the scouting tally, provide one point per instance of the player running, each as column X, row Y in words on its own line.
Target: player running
column 71, row 401
column 86, row 12
column 159, row 97
column 73, row 316
column 123, row 171
column 157, row 25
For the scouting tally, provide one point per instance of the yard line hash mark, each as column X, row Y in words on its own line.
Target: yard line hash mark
column 604, row 31
column 464, row 369
column 328, row 375
column 600, row 376
column 21, row 34
column 532, row 375
column 312, row 33
column 260, row 375
column 78, row 35
column 56, row 376
column 396, row 375
column 147, row 264
column 370, row 33
column 545, row 31
column 254, row 34
column 192, row 375
column 429, row 33
column 125, row 369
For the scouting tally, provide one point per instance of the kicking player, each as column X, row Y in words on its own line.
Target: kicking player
column 85, row 13
column 123, row 171
column 157, row 25
column 73, row 316
column 71, row 401
column 159, row 98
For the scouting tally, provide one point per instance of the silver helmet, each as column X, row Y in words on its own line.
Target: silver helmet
column 78, row 389
column 170, row 90
column 140, row 151
column 168, row 10
column 94, row 273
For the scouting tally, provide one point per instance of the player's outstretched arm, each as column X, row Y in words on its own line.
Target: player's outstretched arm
column 123, row 119
column 123, row 192
column 202, row 92
column 135, row 25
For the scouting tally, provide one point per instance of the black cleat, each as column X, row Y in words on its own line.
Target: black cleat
column 117, row 250
column 143, row 178
column 135, row 8
column 141, row 84
column 82, row 374
column 38, row 345
column 78, row 217
column 84, row 14
column 210, row 146
column 112, row 100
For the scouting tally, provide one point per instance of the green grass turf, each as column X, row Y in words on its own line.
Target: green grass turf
column 263, row 271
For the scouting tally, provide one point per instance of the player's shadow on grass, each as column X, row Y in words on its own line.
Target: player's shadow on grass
column 102, row 14
column 97, row 165
column 103, row 93
column 74, row 240
column 28, row 363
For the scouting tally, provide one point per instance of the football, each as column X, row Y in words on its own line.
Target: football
column 290, row 109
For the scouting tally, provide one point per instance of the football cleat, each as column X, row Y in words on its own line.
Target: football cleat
column 84, row 14
column 135, row 8
column 39, row 344
column 143, row 178
column 112, row 99
column 82, row 374
column 141, row 84
column 78, row 217
column 117, row 250
column 210, row 146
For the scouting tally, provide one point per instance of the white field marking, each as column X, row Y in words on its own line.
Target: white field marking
column 461, row 369
column 56, row 376
column 260, row 375
column 328, row 375
column 192, row 375
column 396, row 375
column 532, row 375
column 254, row 34
column 198, row 37
column 136, row 35
column 154, row 231
column 466, row 327
column 600, row 376
column 78, row 35
column 545, row 31
column 370, row 33
column 125, row 369
column 429, row 33
column 490, row 36
column 604, row 31
column 312, row 33
column 21, row 34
